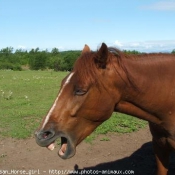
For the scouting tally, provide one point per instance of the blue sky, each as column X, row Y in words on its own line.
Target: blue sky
column 69, row 24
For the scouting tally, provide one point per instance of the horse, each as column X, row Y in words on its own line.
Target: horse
column 106, row 81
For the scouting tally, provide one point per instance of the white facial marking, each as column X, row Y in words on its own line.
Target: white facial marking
column 53, row 106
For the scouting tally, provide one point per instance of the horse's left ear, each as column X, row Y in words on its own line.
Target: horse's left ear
column 86, row 49
column 101, row 56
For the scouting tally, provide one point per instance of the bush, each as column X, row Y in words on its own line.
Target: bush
column 38, row 61
column 54, row 63
column 68, row 59
column 11, row 66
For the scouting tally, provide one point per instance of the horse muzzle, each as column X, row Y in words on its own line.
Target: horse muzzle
column 48, row 137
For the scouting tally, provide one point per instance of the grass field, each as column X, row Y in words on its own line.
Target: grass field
column 26, row 96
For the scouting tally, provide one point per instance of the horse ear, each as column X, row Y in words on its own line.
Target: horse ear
column 86, row 49
column 102, row 56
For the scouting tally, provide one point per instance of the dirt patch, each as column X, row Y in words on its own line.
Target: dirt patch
column 130, row 153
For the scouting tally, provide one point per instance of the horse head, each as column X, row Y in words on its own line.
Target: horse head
column 85, row 100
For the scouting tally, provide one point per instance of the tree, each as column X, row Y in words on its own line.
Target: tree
column 68, row 59
column 37, row 59
column 7, row 51
column 173, row 51
column 55, row 52
column 132, row 52
column 21, row 56
column 55, row 63
column 33, row 51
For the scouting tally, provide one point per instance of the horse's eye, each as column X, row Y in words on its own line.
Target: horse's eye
column 80, row 92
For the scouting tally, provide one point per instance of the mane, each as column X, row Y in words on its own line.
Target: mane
column 142, row 57
column 87, row 70
column 120, row 56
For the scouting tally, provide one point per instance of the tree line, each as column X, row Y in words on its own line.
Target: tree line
column 37, row 59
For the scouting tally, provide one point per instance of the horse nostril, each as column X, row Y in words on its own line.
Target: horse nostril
column 47, row 134
column 44, row 135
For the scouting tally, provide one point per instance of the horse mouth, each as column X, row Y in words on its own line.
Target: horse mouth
column 66, row 150
column 47, row 139
column 63, row 147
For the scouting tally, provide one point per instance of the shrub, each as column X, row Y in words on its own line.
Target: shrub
column 37, row 61
column 11, row 66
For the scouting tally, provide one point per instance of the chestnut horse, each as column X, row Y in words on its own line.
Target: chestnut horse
column 109, row 80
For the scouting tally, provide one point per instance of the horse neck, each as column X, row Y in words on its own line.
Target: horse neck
column 148, row 71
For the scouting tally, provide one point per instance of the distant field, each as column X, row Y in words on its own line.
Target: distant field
column 26, row 96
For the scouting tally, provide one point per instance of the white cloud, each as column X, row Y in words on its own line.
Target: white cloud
column 168, row 5
column 148, row 46
column 60, row 48
column 135, row 44
column 21, row 47
column 118, row 44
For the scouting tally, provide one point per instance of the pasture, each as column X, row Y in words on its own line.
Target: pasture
column 26, row 96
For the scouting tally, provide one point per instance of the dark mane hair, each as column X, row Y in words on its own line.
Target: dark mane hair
column 120, row 56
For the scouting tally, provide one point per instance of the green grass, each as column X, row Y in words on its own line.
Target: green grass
column 120, row 123
column 26, row 96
